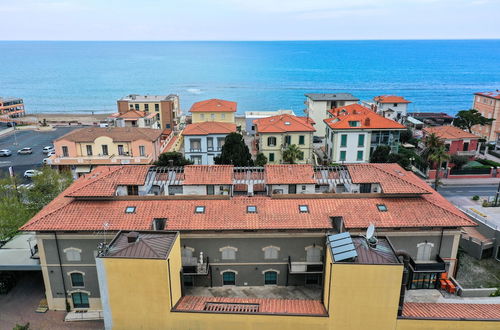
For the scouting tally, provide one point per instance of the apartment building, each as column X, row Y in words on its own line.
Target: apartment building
column 318, row 104
column 203, row 141
column 488, row 104
column 238, row 227
column 134, row 118
column 213, row 110
column 167, row 107
column 251, row 116
column 457, row 141
column 13, row 107
column 391, row 106
column 274, row 134
column 353, row 132
column 81, row 150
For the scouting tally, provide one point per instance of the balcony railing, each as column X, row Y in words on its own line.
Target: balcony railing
column 305, row 267
column 437, row 265
column 466, row 153
column 192, row 266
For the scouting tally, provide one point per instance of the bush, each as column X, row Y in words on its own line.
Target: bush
column 488, row 162
column 496, row 293
column 475, row 198
column 494, row 153
column 459, row 161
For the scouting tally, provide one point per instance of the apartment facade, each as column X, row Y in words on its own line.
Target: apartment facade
column 456, row 140
column 134, row 118
column 251, row 116
column 203, row 141
column 13, row 107
column 354, row 132
column 274, row 134
column 213, row 110
column 392, row 107
column 230, row 239
column 167, row 107
column 488, row 104
column 318, row 104
column 81, row 150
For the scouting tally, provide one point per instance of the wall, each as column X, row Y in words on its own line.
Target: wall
column 351, row 148
column 306, row 148
column 489, row 108
column 207, row 157
column 309, row 188
column 400, row 108
column 199, row 117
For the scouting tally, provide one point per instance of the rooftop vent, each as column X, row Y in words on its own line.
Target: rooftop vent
column 132, row 237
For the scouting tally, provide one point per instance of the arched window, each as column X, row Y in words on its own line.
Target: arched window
column 228, row 277
column 271, row 252
column 80, row 299
column 271, row 277
column 73, row 254
column 77, row 279
column 313, row 253
column 271, row 141
column 424, row 251
column 228, row 252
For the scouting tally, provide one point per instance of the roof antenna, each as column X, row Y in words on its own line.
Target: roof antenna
column 370, row 237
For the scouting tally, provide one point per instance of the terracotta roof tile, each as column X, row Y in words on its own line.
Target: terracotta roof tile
column 450, row 133
column 284, row 123
column 289, row 174
column 366, row 118
column 208, row 174
column 209, row 127
column 214, row 105
column 265, row 305
column 390, row 99
column 132, row 114
column 116, row 133
column 452, row 311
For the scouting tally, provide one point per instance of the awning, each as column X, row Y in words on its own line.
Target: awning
column 83, row 169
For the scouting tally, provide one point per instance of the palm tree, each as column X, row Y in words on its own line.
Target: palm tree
column 438, row 156
column 291, row 154
column 432, row 143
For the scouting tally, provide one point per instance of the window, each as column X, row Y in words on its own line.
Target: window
column 382, row 207
column 251, row 209
column 301, row 155
column 271, row 156
column 271, row 141
column 120, row 150
column 220, row 143
column 137, row 107
column 159, row 223
column 212, row 116
column 195, row 144
column 353, row 123
column 210, row 190
column 313, row 253
column 424, row 251
column 229, row 278
column 210, row 144
column 130, row 209
column 104, row 149
column 292, row 189
column 343, row 140
column 80, row 300
column 73, row 254
column 157, row 107
column 228, row 253
column 146, row 107
column 359, row 155
column 302, row 139
column 199, row 209
column 65, row 151
column 167, row 125
column 304, row 208
column 202, row 116
column 395, row 104
column 133, row 190
column 222, row 116
column 196, row 160
column 288, row 139
column 466, row 146
column 271, row 252
column 89, row 150
column 342, row 156
column 142, row 151
column 365, row 188
column 131, row 106
column 77, row 279
column 271, row 277
column 361, row 140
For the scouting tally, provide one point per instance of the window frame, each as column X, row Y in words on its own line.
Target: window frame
column 199, row 209
column 130, row 209
column 276, row 272
column 303, row 208
column 76, row 272
column 302, row 139
column 343, row 140
column 80, row 293
column 228, row 248
column 361, row 140
column 251, row 206
column 73, row 251
column 265, row 249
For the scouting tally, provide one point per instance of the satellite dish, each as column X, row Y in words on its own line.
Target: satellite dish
column 370, row 232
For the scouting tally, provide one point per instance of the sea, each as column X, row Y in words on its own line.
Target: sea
column 78, row 77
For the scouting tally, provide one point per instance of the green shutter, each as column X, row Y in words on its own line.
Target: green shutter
column 342, row 155
column 343, row 140
column 302, row 139
column 361, row 140
column 360, row 155
column 271, row 157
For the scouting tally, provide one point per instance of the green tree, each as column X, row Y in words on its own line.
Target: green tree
column 465, row 119
column 46, row 186
column 292, row 153
column 459, row 161
column 172, row 158
column 401, row 159
column 432, row 143
column 438, row 156
column 406, row 136
column 380, row 154
column 261, row 159
column 234, row 152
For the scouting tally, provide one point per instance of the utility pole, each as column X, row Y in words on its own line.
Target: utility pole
column 497, row 195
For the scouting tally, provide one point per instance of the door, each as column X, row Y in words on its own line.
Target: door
column 292, row 189
column 210, row 190
column 270, row 278
column 313, row 254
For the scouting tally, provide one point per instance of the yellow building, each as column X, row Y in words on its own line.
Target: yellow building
column 213, row 110
column 140, row 281
column 274, row 134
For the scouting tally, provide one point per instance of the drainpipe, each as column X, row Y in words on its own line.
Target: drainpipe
column 440, row 241
column 406, row 261
column 61, row 268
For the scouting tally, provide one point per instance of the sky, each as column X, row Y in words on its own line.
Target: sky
column 248, row 19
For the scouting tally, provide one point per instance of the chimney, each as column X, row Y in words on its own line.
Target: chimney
column 132, row 237
column 367, row 122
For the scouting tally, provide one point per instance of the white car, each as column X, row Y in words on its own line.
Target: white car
column 51, row 153
column 31, row 173
column 47, row 149
column 25, row 151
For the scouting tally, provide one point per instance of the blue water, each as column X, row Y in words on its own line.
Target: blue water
column 91, row 76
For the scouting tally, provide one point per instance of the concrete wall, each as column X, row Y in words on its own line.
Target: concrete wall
column 225, row 117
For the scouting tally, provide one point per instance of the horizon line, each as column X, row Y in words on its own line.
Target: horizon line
column 243, row 40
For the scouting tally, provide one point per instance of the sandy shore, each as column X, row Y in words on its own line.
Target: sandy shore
column 82, row 118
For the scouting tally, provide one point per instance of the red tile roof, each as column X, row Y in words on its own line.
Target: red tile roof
column 214, row 105
column 390, row 99
column 452, row 311
column 209, row 127
column 116, row 133
column 132, row 114
column 493, row 95
column 208, row 174
column 284, row 123
column 450, row 133
column 265, row 305
column 357, row 113
column 289, row 174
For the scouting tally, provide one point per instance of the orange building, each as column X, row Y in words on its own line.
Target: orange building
column 488, row 104
column 13, row 107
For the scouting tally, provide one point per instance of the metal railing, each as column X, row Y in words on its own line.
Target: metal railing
column 478, row 218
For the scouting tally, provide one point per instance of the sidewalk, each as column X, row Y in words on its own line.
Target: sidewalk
column 466, row 182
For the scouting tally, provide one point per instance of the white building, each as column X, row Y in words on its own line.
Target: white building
column 318, row 105
column 354, row 131
column 250, row 116
column 391, row 106
column 134, row 118
column 203, row 141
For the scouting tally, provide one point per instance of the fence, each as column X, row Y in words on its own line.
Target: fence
column 473, row 170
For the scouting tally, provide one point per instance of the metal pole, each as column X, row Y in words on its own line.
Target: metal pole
column 497, row 195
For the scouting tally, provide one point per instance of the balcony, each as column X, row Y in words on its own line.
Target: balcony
column 466, row 153
column 305, row 267
column 430, row 266
column 193, row 266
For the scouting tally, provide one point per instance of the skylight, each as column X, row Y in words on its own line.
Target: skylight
column 287, row 123
column 199, row 209
column 382, row 207
column 130, row 209
column 251, row 209
column 303, row 208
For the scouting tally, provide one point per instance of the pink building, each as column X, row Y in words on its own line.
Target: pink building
column 488, row 104
column 456, row 140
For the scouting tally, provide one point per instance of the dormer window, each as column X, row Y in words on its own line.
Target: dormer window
column 251, row 209
column 303, row 208
column 159, row 223
column 354, row 123
column 132, row 190
column 199, row 209
column 130, row 209
column 382, row 207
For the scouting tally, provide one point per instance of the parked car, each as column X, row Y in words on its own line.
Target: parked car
column 11, row 124
column 25, row 151
column 47, row 149
column 51, row 153
column 31, row 173
column 5, row 153
column 317, row 139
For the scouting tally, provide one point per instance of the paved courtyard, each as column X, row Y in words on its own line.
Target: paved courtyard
column 18, row 307
column 277, row 292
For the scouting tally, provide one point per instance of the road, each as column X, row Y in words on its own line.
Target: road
column 27, row 138
column 468, row 191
